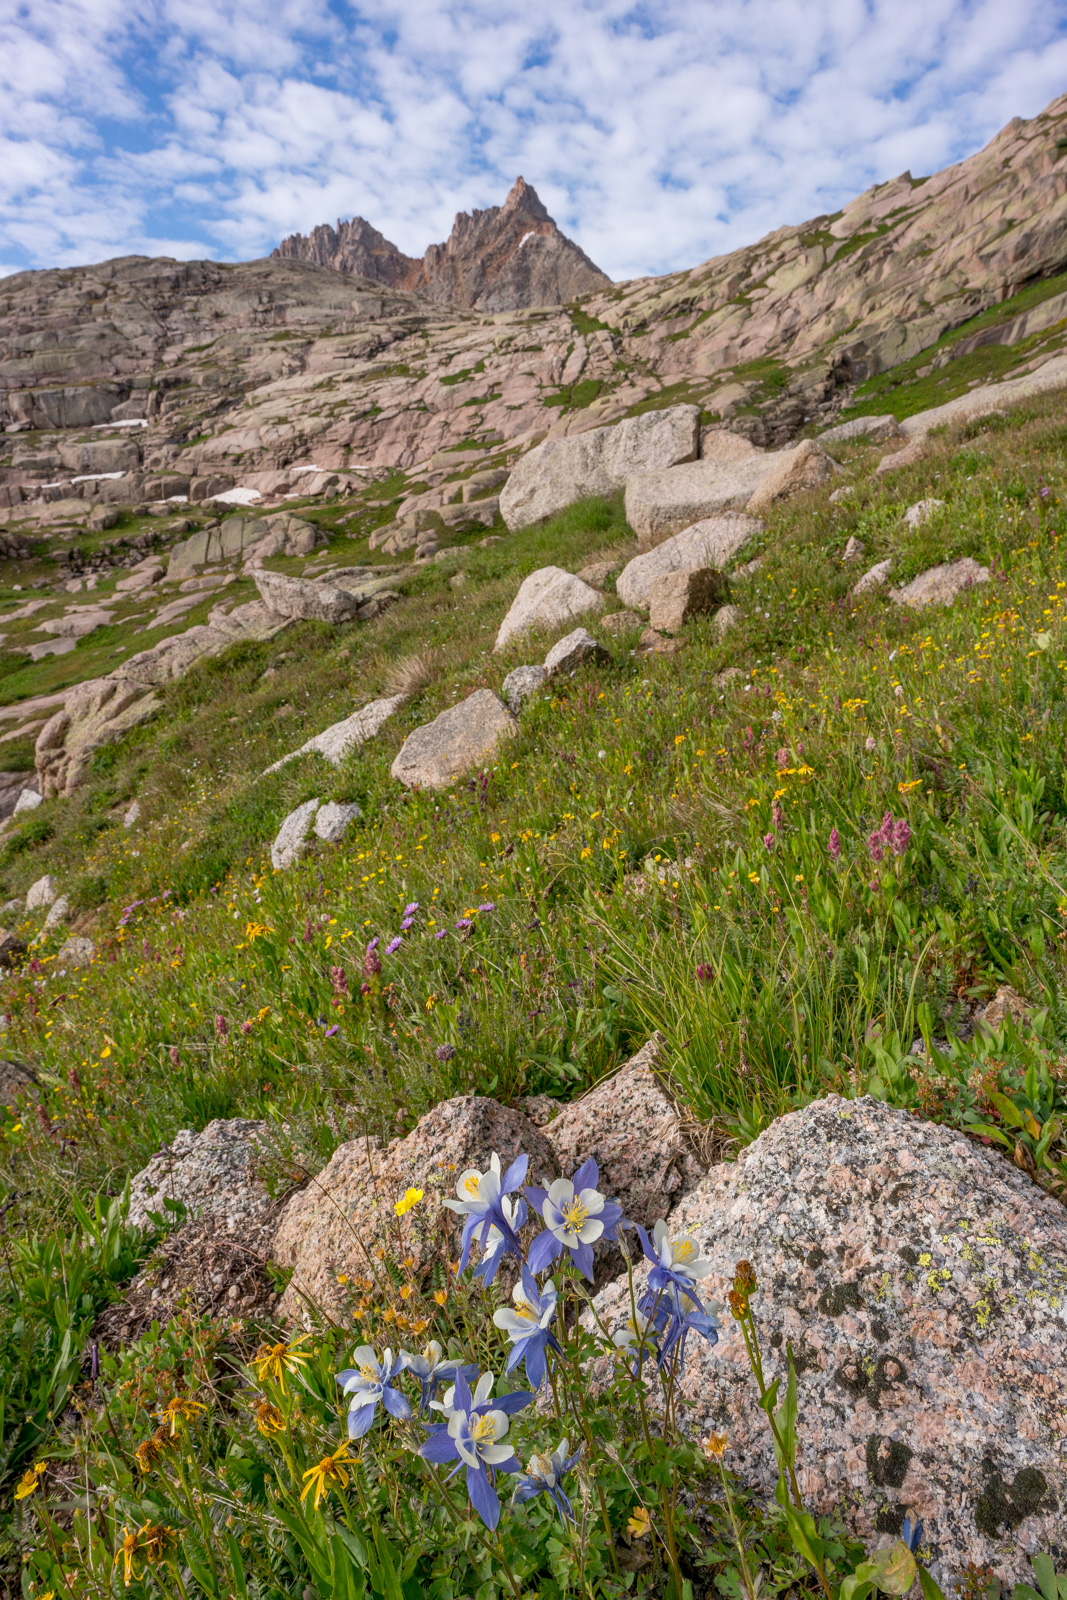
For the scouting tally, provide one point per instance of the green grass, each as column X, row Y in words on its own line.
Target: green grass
column 777, row 971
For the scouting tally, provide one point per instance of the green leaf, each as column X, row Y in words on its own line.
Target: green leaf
column 1045, row 1573
column 1007, row 1108
column 805, row 1535
column 930, row 1587
column 895, row 1568
column 237, row 1564
column 1023, row 1591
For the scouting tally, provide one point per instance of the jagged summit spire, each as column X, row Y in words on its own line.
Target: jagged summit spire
column 502, row 259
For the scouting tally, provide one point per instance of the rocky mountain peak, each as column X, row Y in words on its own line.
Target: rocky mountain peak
column 505, row 258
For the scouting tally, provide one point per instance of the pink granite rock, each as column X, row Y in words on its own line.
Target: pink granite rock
column 345, row 1215
column 922, row 1283
column 628, row 1124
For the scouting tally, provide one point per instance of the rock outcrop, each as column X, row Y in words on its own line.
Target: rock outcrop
column 921, row 1282
column 505, row 258
column 711, row 542
column 464, row 736
column 598, row 462
column 939, row 586
column 548, row 598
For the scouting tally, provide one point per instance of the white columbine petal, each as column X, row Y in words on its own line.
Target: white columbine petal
column 483, row 1389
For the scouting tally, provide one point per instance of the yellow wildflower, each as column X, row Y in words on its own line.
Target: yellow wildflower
column 715, row 1446
column 331, row 1469
column 149, row 1450
column 30, row 1481
column 275, row 1360
column 441, row 1296
column 410, row 1198
column 127, row 1554
column 640, row 1524
column 180, row 1409
column 268, row 1418
column 156, row 1541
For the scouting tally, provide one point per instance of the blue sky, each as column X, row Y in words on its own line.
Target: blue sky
column 657, row 134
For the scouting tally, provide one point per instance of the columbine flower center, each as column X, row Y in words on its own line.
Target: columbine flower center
column 523, row 1308
column 482, row 1428
column 684, row 1250
column 471, row 1184
column 540, row 1467
column 574, row 1216
column 369, row 1375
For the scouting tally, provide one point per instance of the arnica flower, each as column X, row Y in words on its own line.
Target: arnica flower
column 543, row 1475
column 179, row 1409
column 493, row 1250
column 127, row 1553
column 30, row 1481
column 833, row 845
column 408, row 1201
column 473, row 1436
column 328, row 1471
column 268, row 1418
column 275, row 1360
column 481, row 1197
column 150, row 1450
column 575, row 1215
column 528, row 1326
column 369, row 1381
column 431, row 1369
column 156, row 1542
column 640, row 1524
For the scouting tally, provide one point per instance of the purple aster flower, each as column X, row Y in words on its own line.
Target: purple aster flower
column 373, row 944
column 393, row 946
column 575, row 1215
column 834, row 845
column 441, row 933
column 490, row 905
column 408, row 922
column 411, row 908
column 472, row 1436
column 464, row 922
column 331, row 1031
column 481, row 1197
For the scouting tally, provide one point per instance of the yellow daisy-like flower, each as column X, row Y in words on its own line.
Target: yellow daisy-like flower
column 268, row 1418
column 30, row 1481
column 156, row 1541
column 640, row 1524
column 127, row 1553
column 410, row 1198
column 149, row 1451
column 715, row 1446
column 275, row 1360
column 441, row 1296
column 179, row 1409
column 330, row 1470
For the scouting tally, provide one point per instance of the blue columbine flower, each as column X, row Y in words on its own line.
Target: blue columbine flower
column 912, row 1531
column 431, row 1369
column 369, row 1381
column 680, row 1326
column 542, row 1476
column 677, row 1266
column 493, row 1251
column 480, row 1200
column 575, row 1214
column 473, row 1436
column 528, row 1326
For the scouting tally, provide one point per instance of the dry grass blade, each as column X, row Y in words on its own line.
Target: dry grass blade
column 412, row 674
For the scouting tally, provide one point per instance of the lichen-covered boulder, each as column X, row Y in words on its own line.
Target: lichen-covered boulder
column 922, row 1283
column 337, row 1225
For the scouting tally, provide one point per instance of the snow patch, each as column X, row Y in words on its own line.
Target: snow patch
column 237, row 497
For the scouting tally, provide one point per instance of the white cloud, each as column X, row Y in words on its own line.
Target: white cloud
column 656, row 134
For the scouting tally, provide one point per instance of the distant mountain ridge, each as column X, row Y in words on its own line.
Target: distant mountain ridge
column 507, row 258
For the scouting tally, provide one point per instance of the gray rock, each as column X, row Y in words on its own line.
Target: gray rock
column 519, row 685
column 548, row 598
column 464, row 736
column 78, row 624
column 77, row 952
column 939, row 586
column 214, row 1173
column 873, row 430
column 622, row 621
column 725, row 619
column 334, row 819
column 58, row 912
column 874, row 578
column 132, row 815
column 277, row 534
column 335, row 742
column 577, row 649
column 291, row 840
column 676, row 597
column 805, row 466
column 853, row 549
column 28, row 800
column 709, row 543
column 921, row 512
column 41, row 893
column 597, row 462
column 311, row 602
column 598, row 573
column 921, row 1281
column 660, row 504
